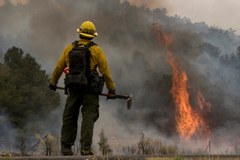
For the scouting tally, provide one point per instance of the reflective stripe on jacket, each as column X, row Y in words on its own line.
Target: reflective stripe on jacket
column 97, row 58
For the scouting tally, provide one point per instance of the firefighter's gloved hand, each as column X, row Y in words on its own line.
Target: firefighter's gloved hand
column 111, row 94
column 52, row 87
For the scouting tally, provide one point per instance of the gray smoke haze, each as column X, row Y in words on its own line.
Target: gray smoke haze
column 7, row 142
column 137, row 61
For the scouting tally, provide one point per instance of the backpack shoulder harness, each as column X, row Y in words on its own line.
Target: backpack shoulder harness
column 79, row 66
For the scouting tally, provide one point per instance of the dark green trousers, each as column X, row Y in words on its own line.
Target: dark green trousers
column 89, row 104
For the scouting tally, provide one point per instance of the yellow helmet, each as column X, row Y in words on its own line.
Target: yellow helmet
column 87, row 29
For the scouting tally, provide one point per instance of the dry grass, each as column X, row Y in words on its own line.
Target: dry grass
column 123, row 158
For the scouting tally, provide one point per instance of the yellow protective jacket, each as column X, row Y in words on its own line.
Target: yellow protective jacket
column 97, row 58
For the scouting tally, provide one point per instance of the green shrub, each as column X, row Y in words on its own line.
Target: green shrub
column 178, row 158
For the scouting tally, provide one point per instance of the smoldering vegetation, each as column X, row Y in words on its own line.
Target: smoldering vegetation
column 209, row 55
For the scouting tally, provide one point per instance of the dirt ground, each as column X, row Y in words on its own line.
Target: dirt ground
column 185, row 157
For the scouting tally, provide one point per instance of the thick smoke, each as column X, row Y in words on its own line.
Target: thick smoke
column 153, row 4
column 137, row 60
column 9, row 133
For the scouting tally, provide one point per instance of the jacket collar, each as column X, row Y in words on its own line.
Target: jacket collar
column 84, row 41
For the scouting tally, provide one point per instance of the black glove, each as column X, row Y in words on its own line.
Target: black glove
column 52, row 87
column 111, row 94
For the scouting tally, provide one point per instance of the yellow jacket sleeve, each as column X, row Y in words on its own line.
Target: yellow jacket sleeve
column 61, row 64
column 105, row 71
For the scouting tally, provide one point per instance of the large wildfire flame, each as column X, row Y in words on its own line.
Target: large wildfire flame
column 189, row 122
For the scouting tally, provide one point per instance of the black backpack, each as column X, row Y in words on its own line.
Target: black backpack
column 80, row 75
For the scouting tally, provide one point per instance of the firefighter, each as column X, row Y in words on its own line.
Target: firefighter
column 80, row 97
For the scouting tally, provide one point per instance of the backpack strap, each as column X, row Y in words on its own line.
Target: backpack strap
column 88, row 56
column 75, row 44
column 90, row 44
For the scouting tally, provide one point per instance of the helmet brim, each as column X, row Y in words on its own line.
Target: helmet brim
column 86, row 34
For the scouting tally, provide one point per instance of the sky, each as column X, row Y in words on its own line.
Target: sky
column 223, row 13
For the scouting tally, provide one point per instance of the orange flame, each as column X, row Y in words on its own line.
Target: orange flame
column 202, row 103
column 188, row 121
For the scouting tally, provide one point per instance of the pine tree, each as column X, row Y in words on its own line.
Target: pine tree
column 25, row 98
column 103, row 144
